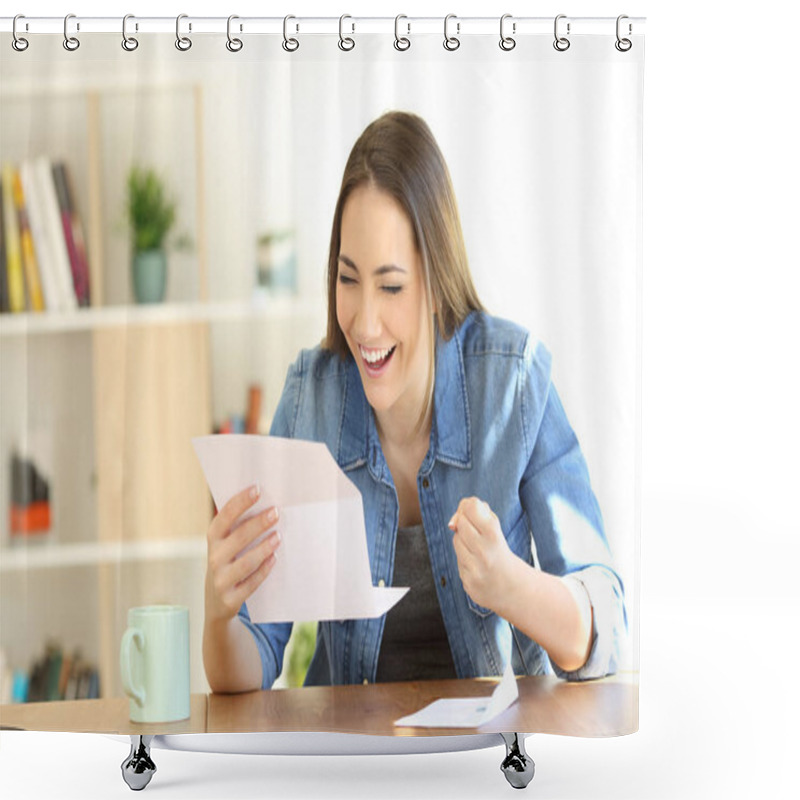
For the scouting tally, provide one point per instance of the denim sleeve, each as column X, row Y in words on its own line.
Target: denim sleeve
column 565, row 519
column 271, row 638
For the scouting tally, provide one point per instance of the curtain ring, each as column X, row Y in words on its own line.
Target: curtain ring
column 129, row 43
column 401, row 42
column 506, row 42
column 623, row 45
column 561, row 43
column 289, row 44
column 183, row 43
column 71, row 43
column 345, row 42
column 234, row 45
column 451, row 42
column 18, row 42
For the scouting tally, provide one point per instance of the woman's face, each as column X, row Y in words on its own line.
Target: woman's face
column 381, row 304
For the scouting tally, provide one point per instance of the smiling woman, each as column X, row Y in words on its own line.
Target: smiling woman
column 475, row 490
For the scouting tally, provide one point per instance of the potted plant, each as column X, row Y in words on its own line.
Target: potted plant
column 151, row 214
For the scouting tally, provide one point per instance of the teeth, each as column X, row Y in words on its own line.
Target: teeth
column 373, row 356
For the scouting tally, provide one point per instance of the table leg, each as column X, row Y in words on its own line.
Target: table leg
column 138, row 768
column 517, row 766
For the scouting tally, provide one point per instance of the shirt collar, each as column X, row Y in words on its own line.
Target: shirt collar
column 450, row 431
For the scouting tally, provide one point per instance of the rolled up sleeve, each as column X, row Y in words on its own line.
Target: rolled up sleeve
column 567, row 526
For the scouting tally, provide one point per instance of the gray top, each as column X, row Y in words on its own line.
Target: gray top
column 414, row 644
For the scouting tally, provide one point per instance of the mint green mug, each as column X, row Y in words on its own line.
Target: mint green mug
column 154, row 662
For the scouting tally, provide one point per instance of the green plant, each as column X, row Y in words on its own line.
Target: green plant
column 151, row 213
column 300, row 650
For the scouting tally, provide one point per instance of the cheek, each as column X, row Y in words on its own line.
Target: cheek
column 342, row 315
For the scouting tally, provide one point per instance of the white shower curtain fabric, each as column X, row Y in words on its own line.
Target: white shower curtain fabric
column 544, row 149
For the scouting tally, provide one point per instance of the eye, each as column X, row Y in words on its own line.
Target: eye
column 392, row 289
column 345, row 280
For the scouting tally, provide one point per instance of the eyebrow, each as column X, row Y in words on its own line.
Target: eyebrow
column 382, row 270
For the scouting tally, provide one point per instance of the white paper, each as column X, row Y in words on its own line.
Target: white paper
column 466, row 712
column 322, row 567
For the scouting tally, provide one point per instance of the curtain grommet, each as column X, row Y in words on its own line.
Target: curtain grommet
column 451, row 43
column 623, row 44
column 233, row 44
column 129, row 43
column 71, row 43
column 183, row 43
column 561, row 43
column 507, row 43
column 19, row 43
column 346, row 43
column 289, row 44
column 401, row 43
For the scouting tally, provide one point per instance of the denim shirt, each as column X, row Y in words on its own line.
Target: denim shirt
column 498, row 432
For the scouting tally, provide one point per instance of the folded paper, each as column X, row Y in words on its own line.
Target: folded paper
column 322, row 568
column 466, row 712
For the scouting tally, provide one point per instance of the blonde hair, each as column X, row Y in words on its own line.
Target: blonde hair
column 398, row 154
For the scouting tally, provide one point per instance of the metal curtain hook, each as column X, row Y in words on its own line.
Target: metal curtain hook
column 345, row 42
column 401, row 42
column 561, row 43
column 18, row 42
column 623, row 45
column 71, row 43
column 506, row 42
column 451, row 42
column 129, row 43
column 233, row 44
column 289, row 44
column 183, row 43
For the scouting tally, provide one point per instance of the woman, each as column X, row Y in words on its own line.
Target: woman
column 475, row 490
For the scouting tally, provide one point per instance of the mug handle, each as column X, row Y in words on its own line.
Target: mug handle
column 131, row 635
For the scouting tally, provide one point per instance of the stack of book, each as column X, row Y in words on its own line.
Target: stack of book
column 43, row 259
column 54, row 676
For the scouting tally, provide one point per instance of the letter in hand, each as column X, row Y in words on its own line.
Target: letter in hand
column 484, row 558
column 237, row 562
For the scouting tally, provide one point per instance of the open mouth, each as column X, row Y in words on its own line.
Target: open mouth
column 375, row 361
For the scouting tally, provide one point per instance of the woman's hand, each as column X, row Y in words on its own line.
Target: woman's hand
column 484, row 558
column 231, row 580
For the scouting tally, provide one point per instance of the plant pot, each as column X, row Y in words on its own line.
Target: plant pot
column 149, row 270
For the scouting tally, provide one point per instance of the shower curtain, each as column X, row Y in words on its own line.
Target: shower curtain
column 107, row 376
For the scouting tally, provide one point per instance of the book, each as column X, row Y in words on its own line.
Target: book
column 3, row 272
column 80, row 277
column 253, row 416
column 16, row 280
column 55, row 232
column 77, row 231
column 54, row 660
column 29, row 511
column 30, row 266
column 39, row 232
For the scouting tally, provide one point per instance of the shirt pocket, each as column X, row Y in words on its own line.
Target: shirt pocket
column 519, row 543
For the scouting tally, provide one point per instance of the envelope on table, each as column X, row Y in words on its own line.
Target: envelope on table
column 466, row 712
column 322, row 567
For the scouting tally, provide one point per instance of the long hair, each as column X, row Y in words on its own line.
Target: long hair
column 398, row 154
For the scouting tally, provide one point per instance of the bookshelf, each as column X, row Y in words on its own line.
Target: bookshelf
column 113, row 393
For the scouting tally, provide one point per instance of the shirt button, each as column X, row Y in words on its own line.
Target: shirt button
column 425, row 483
column 443, row 581
column 381, row 583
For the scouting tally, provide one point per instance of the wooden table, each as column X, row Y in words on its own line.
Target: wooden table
column 607, row 707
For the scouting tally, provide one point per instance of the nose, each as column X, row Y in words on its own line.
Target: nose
column 368, row 318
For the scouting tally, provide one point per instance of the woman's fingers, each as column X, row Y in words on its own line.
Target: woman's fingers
column 245, row 534
column 244, row 589
column 241, row 569
column 231, row 511
column 236, row 581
